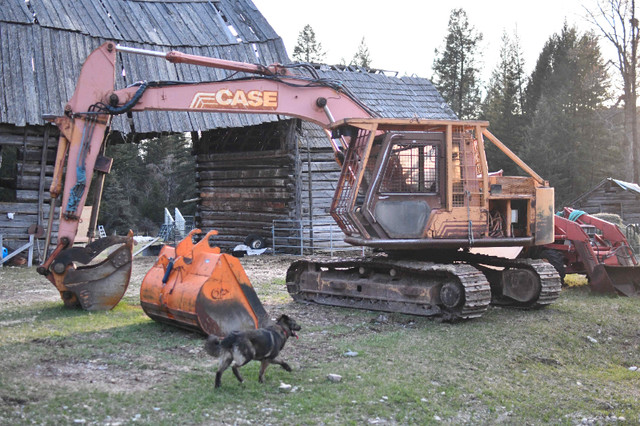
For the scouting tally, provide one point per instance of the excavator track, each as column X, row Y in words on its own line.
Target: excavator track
column 542, row 293
column 449, row 291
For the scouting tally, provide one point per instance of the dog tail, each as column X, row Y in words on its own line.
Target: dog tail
column 212, row 346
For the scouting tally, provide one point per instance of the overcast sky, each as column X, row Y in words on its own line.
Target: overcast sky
column 402, row 34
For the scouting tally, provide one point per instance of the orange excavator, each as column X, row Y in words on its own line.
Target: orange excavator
column 416, row 190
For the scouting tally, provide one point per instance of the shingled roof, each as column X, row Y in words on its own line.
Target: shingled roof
column 44, row 43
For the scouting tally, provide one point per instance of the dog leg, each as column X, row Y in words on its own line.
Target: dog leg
column 224, row 364
column 236, row 372
column 281, row 364
column 263, row 366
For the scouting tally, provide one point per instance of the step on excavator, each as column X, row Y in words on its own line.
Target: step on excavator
column 417, row 191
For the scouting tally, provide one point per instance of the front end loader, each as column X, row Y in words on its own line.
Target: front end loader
column 598, row 249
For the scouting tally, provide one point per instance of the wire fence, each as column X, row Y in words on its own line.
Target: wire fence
column 301, row 237
column 633, row 237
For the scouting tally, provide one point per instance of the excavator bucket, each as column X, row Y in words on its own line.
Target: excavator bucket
column 93, row 286
column 622, row 280
column 195, row 287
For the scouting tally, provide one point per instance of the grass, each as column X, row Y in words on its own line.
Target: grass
column 554, row 366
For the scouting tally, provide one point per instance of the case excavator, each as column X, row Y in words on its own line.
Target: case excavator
column 416, row 191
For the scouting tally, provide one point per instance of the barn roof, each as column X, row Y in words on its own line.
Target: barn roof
column 626, row 186
column 390, row 96
column 44, row 43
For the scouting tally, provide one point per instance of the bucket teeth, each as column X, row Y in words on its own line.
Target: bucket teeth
column 205, row 291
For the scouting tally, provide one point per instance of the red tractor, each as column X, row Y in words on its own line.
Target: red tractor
column 585, row 244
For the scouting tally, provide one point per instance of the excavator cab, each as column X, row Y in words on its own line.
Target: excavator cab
column 414, row 185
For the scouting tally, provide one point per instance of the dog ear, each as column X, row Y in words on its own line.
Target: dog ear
column 283, row 318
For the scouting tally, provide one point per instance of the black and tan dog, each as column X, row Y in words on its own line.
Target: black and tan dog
column 240, row 347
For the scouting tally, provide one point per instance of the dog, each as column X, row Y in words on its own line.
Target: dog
column 240, row 347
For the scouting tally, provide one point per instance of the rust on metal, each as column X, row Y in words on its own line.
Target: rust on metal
column 92, row 286
column 195, row 287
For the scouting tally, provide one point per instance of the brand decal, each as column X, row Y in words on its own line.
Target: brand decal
column 238, row 99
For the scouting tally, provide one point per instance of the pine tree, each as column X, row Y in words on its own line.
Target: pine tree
column 455, row 71
column 308, row 49
column 503, row 105
column 362, row 57
column 569, row 141
column 618, row 23
column 146, row 178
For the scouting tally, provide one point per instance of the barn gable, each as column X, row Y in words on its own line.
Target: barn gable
column 612, row 196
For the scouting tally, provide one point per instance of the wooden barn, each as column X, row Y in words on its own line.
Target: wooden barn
column 252, row 169
column 44, row 43
column 612, row 196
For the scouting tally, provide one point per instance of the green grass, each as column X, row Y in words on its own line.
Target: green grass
column 58, row 366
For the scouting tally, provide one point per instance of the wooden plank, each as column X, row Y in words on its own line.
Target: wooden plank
column 246, row 193
column 26, row 195
column 34, row 169
column 34, row 155
column 244, row 205
column 246, row 182
column 223, row 157
column 245, row 174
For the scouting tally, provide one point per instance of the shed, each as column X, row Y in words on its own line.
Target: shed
column 612, row 196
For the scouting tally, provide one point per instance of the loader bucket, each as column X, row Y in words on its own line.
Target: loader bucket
column 93, row 287
column 195, row 287
column 622, row 280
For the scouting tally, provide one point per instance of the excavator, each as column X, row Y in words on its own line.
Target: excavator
column 416, row 191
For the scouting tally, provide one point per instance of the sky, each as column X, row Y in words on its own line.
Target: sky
column 402, row 34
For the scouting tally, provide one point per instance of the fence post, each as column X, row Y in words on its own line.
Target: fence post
column 331, row 240
column 30, row 256
column 301, row 240
column 273, row 236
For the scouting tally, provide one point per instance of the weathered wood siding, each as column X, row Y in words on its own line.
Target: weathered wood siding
column 610, row 198
column 33, row 176
column 243, row 192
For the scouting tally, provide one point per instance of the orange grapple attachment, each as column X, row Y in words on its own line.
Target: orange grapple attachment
column 195, row 287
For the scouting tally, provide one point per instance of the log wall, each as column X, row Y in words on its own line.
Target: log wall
column 32, row 175
column 242, row 192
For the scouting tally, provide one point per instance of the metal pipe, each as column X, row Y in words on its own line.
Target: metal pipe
column 502, row 147
column 137, row 51
column 52, row 211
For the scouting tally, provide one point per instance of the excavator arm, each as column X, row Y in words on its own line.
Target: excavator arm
column 83, row 131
